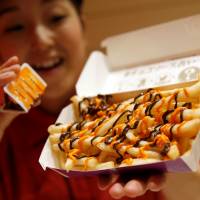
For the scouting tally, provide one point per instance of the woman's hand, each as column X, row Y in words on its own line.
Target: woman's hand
column 8, row 72
column 132, row 188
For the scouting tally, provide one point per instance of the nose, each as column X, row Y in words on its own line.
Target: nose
column 42, row 38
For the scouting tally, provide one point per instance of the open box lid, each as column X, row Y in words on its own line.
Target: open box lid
column 123, row 69
column 174, row 39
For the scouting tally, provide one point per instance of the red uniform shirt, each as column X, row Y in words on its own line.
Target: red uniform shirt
column 21, row 176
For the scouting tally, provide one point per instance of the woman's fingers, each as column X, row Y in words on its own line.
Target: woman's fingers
column 136, row 187
column 11, row 61
column 9, row 70
column 15, row 68
column 117, row 191
column 156, row 183
column 106, row 180
column 7, row 77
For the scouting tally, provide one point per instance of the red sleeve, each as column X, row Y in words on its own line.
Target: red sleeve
column 1, row 96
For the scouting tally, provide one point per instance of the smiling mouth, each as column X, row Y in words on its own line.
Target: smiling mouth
column 48, row 65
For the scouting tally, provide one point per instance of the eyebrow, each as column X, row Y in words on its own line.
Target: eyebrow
column 8, row 10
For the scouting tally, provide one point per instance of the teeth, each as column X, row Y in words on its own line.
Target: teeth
column 47, row 64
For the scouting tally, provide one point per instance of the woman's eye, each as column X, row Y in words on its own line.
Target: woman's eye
column 57, row 18
column 14, row 28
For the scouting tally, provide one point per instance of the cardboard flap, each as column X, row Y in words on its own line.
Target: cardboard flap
column 95, row 70
column 98, row 78
column 165, row 41
column 47, row 157
column 192, row 157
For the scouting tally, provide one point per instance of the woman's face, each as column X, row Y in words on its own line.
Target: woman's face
column 47, row 34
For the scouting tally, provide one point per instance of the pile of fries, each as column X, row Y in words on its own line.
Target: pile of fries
column 151, row 127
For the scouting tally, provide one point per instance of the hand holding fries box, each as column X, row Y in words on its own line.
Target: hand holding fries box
column 22, row 93
column 146, row 118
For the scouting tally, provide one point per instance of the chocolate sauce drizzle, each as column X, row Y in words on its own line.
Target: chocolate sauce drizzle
column 91, row 108
column 165, row 114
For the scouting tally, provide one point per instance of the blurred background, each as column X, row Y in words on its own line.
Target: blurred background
column 110, row 17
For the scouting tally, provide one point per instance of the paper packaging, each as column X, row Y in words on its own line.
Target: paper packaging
column 101, row 76
column 23, row 92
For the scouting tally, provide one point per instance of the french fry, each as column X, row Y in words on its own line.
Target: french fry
column 141, row 153
column 173, row 152
column 188, row 129
column 151, row 127
column 105, row 165
column 184, row 94
column 137, row 161
column 61, row 128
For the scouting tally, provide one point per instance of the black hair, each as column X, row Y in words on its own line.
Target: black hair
column 78, row 5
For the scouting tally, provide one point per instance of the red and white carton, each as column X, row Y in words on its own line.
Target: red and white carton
column 132, row 64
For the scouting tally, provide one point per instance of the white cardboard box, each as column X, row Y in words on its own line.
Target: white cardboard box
column 108, row 74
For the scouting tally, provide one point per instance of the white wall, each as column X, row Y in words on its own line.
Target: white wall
column 108, row 17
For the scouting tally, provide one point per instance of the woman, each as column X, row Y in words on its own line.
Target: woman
column 48, row 35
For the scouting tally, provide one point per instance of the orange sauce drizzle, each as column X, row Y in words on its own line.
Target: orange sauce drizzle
column 72, row 153
column 145, row 97
column 173, row 117
column 170, row 101
column 63, row 130
column 128, row 161
column 128, row 147
column 80, row 142
column 100, row 126
column 138, row 112
column 165, row 129
column 161, row 140
column 101, row 113
column 158, row 109
column 132, row 121
column 114, row 141
column 144, row 132
column 86, row 162
column 119, row 146
column 142, row 153
column 66, row 144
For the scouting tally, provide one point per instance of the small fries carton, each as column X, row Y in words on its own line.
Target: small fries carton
column 22, row 93
column 161, row 57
